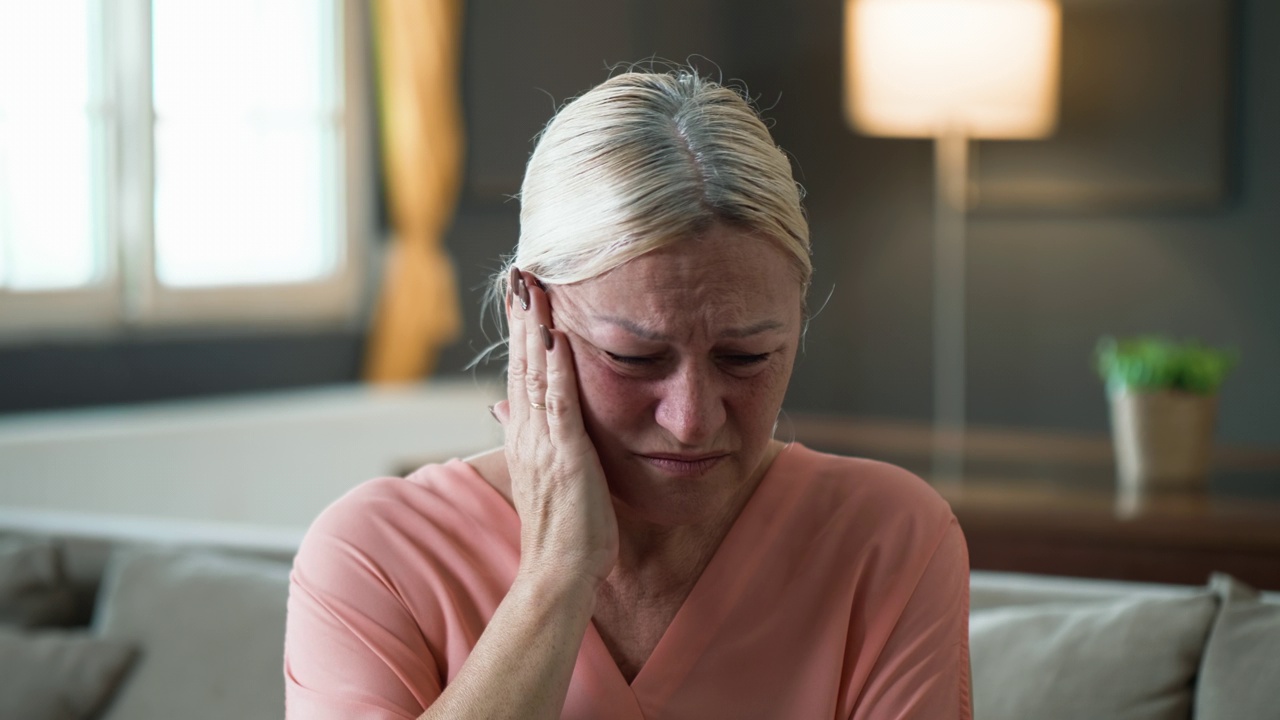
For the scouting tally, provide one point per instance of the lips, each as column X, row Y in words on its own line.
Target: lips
column 684, row 465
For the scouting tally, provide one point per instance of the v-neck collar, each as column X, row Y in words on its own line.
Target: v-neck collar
column 699, row 617
column 694, row 625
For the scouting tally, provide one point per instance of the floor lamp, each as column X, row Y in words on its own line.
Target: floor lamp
column 951, row 70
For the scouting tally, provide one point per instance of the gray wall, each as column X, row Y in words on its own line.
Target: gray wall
column 1042, row 286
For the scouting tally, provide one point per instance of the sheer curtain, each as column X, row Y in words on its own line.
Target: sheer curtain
column 418, row 45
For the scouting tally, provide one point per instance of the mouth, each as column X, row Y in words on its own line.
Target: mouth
column 688, row 466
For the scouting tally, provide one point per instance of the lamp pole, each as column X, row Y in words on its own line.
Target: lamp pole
column 951, row 70
column 951, row 201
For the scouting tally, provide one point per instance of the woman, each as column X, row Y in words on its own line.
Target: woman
column 641, row 547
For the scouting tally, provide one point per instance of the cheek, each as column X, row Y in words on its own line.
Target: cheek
column 757, row 400
column 609, row 402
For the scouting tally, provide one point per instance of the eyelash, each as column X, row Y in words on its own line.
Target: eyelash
column 628, row 360
column 746, row 360
column 737, row 360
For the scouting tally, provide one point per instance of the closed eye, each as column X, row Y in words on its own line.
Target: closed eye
column 631, row 359
column 745, row 360
column 735, row 360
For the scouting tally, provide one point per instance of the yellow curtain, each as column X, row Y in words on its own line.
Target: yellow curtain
column 418, row 44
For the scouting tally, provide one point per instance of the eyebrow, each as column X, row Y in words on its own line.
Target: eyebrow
column 647, row 334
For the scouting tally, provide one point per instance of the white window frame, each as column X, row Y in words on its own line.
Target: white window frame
column 131, row 298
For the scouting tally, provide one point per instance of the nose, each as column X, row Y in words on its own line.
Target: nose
column 691, row 406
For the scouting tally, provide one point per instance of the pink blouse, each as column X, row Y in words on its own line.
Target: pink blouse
column 841, row 591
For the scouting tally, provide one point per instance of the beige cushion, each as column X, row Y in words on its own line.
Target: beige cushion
column 58, row 674
column 989, row 589
column 33, row 589
column 1240, row 674
column 1131, row 659
column 211, row 632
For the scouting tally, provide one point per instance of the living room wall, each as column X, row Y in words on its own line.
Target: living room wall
column 1042, row 286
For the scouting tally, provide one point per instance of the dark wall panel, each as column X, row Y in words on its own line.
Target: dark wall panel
column 64, row 375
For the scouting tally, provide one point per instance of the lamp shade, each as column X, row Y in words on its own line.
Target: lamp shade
column 924, row 68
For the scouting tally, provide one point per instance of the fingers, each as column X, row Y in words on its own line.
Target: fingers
column 529, row 316
column 516, row 348
column 564, row 416
column 546, row 374
column 535, row 378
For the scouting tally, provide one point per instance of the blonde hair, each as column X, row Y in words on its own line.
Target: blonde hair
column 646, row 159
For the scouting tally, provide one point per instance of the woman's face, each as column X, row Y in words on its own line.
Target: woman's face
column 683, row 357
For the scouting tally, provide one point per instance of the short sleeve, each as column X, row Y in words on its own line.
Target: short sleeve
column 922, row 673
column 353, row 650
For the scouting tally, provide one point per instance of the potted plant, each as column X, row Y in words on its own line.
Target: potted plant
column 1164, row 398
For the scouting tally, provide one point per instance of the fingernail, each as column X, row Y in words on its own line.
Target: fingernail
column 547, row 338
column 515, row 285
column 538, row 282
column 494, row 413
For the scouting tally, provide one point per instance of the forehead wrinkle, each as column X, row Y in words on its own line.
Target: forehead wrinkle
column 735, row 333
column 748, row 331
column 632, row 327
column 714, row 289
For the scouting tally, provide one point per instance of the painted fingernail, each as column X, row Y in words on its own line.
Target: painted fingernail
column 547, row 338
column 538, row 282
column 522, row 294
column 494, row 413
column 515, row 286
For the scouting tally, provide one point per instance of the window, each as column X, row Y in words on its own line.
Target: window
column 168, row 162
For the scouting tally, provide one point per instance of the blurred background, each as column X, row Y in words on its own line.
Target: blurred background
column 244, row 246
column 226, row 200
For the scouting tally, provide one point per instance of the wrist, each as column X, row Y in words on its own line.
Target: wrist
column 551, row 587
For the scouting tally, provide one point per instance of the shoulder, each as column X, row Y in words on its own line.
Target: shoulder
column 864, row 515
column 865, row 488
column 389, row 500
column 889, row 531
column 438, row 510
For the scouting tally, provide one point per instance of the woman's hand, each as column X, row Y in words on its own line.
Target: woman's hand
column 568, row 529
column 523, row 662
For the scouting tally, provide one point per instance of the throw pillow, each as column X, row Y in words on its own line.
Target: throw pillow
column 1238, row 678
column 58, row 674
column 33, row 589
column 1132, row 659
column 211, row 628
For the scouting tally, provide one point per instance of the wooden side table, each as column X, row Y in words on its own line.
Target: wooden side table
column 1088, row 532
column 1048, row 503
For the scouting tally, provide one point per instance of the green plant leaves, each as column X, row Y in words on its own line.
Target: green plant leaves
column 1154, row 363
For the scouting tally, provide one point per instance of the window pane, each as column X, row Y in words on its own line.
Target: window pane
column 51, row 126
column 246, row 141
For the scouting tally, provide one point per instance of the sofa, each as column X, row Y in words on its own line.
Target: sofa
column 142, row 620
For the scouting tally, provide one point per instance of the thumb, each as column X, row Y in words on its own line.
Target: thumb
column 501, row 412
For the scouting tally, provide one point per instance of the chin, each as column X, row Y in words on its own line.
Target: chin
column 675, row 496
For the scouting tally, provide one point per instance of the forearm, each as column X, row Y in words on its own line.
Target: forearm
column 521, row 666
